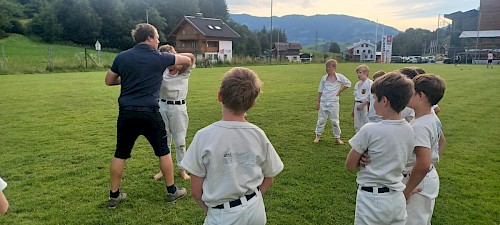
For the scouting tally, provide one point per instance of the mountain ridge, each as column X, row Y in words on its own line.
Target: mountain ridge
column 298, row 28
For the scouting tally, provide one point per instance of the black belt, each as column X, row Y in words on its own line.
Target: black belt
column 359, row 101
column 139, row 108
column 181, row 102
column 236, row 202
column 380, row 190
column 408, row 174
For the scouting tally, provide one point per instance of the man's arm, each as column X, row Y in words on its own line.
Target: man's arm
column 197, row 191
column 352, row 160
column 112, row 78
column 420, row 169
column 266, row 184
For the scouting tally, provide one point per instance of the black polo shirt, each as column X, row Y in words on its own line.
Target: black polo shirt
column 141, row 70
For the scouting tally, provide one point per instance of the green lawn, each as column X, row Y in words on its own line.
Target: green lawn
column 57, row 137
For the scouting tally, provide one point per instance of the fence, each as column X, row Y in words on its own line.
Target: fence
column 19, row 60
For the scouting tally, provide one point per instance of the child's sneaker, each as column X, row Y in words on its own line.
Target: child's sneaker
column 113, row 202
column 181, row 192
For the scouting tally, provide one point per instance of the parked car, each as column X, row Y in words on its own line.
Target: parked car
column 432, row 59
column 448, row 60
column 396, row 59
column 414, row 59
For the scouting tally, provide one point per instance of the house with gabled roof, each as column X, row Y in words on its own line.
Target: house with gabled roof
column 362, row 51
column 289, row 51
column 207, row 38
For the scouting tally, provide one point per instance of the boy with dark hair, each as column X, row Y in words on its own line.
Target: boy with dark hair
column 232, row 162
column 380, row 198
column 421, row 177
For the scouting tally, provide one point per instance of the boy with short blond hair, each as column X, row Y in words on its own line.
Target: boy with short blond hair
column 421, row 177
column 232, row 162
column 327, row 104
column 361, row 97
column 380, row 198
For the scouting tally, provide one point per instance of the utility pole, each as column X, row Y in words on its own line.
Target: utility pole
column 271, row 43
column 147, row 16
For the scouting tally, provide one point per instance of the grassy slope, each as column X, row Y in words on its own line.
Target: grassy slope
column 58, row 135
column 22, row 55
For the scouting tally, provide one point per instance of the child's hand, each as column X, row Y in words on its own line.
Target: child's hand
column 414, row 191
column 364, row 160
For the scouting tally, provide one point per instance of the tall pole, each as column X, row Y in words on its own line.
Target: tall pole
column 147, row 16
column 376, row 40
column 271, row 47
column 437, row 36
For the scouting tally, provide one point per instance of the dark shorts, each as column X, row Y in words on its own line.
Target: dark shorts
column 133, row 123
column 490, row 60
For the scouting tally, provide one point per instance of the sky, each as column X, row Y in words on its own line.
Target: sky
column 400, row 14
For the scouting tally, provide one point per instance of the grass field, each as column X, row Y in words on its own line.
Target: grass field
column 57, row 136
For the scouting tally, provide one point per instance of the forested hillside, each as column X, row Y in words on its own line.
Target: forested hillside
column 110, row 21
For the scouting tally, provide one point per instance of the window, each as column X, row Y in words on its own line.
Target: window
column 183, row 32
column 217, row 27
column 193, row 44
column 369, row 51
column 183, row 44
column 357, row 51
column 211, row 27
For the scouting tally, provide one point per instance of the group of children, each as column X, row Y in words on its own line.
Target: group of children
column 398, row 141
column 232, row 162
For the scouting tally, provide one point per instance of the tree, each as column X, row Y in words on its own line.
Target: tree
column 8, row 12
column 46, row 25
column 80, row 22
column 334, row 47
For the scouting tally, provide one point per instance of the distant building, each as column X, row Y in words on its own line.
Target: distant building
column 289, row 51
column 362, row 51
column 474, row 32
column 207, row 38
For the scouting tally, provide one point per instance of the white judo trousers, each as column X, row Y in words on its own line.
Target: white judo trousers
column 380, row 208
column 249, row 212
column 421, row 205
column 176, row 123
column 360, row 116
column 332, row 111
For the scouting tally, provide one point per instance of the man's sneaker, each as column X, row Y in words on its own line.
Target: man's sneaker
column 113, row 202
column 181, row 192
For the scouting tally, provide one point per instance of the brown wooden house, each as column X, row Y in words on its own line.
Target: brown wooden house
column 207, row 38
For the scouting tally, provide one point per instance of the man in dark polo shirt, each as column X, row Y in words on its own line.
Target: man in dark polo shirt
column 139, row 72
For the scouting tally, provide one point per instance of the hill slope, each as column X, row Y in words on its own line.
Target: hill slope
column 309, row 29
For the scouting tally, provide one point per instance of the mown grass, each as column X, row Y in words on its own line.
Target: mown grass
column 58, row 135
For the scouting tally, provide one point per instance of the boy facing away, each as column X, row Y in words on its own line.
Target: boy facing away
column 361, row 97
column 372, row 114
column 330, row 87
column 420, row 175
column 232, row 162
column 380, row 198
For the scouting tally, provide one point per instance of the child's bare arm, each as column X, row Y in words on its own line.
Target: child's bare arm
column 266, row 184
column 352, row 160
column 197, row 191
column 442, row 143
column 420, row 169
column 184, row 66
column 318, row 101
column 343, row 88
column 4, row 204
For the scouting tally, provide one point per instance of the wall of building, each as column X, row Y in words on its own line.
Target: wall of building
column 490, row 15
